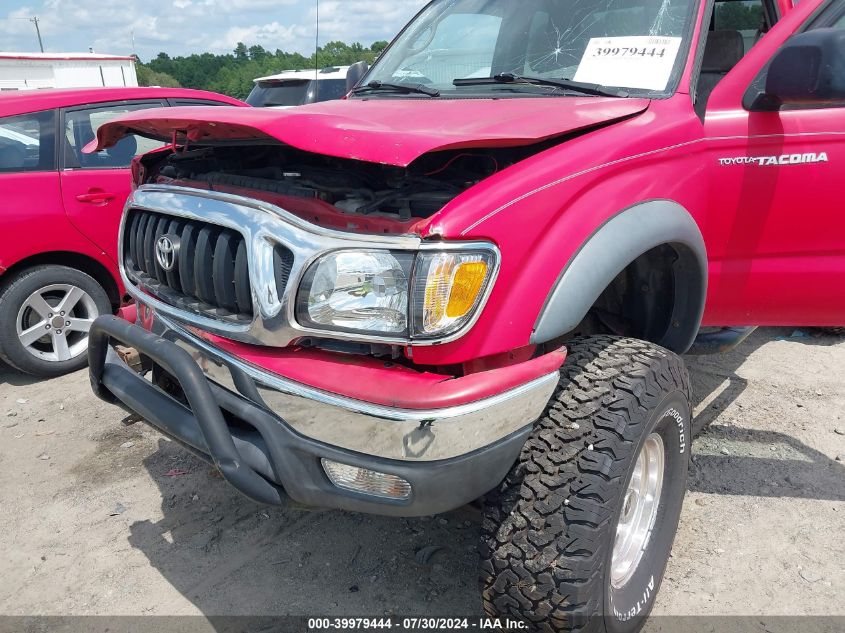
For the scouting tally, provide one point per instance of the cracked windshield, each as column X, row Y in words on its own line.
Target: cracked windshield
column 592, row 47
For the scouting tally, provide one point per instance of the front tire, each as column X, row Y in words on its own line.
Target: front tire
column 616, row 431
column 45, row 315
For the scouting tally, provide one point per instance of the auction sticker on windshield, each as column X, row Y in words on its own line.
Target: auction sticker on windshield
column 644, row 62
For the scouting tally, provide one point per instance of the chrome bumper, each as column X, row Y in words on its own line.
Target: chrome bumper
column 396, row 434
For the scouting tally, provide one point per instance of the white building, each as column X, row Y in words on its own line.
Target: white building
column 31, row 71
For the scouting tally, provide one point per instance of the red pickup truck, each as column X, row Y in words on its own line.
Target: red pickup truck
column 475, row 275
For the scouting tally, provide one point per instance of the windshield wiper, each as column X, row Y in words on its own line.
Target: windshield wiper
column 567, row 84
column 375, row 86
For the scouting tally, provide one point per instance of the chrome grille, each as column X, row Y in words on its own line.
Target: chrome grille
column 210, row 274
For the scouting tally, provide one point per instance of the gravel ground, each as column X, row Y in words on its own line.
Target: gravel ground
column 104, row 517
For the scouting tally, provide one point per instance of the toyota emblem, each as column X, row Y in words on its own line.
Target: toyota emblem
column 167, row 249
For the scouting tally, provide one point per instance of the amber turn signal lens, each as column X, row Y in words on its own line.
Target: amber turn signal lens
column 468, row 281
column 449, row 287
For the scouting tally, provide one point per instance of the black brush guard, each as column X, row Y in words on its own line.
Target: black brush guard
column 201, row 426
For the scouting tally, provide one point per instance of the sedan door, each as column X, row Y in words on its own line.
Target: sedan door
column 95, row 186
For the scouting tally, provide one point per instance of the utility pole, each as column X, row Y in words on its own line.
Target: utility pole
column 38, row 31
column 317, row 45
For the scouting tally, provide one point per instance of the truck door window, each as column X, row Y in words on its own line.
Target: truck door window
column 737, row 26
column 746, row 17
column 26, row 142
column 81, row 128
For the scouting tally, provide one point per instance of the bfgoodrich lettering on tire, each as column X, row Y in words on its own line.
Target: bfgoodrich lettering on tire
column 578, row 535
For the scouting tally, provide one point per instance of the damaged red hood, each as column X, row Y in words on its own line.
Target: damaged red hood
column 388, row 131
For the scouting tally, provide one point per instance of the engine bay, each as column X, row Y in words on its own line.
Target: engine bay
column 338, row 193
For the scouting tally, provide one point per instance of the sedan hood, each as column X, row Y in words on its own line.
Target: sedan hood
column 387, row 131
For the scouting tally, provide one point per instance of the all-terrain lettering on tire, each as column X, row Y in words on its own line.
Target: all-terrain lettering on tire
column 552, row 551
column 636, row 610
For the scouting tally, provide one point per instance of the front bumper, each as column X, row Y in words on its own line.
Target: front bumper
column 244, row 429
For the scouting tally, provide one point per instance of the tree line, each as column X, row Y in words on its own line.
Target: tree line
column 233, row 73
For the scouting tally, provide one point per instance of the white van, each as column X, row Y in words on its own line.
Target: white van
column 299, row 87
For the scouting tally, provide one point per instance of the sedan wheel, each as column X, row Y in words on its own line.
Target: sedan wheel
column 46, row 313
column 54, row 321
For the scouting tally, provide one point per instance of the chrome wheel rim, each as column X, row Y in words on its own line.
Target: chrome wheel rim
column 54, row 321
column 639, row 511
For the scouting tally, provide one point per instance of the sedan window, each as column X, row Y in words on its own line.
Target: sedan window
column 81, row 128
column 26, row 142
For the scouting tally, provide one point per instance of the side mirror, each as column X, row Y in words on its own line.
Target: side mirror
column 355, row 73
column 808, row 70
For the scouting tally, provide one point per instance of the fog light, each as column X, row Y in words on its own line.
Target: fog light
column 368, row 482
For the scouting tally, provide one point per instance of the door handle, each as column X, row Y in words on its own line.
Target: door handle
column 96, row 197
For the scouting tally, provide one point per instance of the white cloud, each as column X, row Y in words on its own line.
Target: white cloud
column 270, row 36
column 364, row 20
column 253, row 6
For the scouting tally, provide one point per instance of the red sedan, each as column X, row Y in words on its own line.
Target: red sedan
column 61, row 211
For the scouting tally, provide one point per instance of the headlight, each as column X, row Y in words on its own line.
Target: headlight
column 357, row 291
column 397, row 295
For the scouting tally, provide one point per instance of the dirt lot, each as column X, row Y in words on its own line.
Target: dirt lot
column 94, row 522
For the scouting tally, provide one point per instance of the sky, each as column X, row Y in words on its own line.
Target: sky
column 181, row 27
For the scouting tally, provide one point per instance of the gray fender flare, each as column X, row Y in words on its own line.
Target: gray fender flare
column 615, row 245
